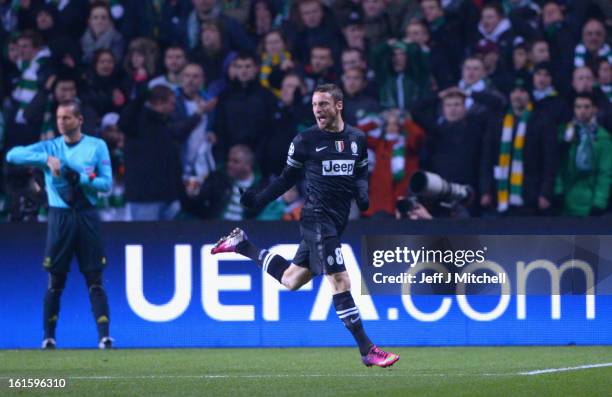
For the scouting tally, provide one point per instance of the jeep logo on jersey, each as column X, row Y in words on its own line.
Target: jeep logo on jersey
column 340, row 146
column 338, row 167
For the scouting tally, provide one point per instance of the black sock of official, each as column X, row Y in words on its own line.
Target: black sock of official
column 274, row 265
column 99, row 307
column 349, row 314
column 51, row 311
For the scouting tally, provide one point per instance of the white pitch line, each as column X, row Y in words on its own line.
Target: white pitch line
column 551, row 370
column 210, row 376
column 260, row 376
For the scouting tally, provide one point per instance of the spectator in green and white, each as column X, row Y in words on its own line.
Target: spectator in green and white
column 402, row 74
column 482, row 95
column 219, row 197
column 33, row 68
column 520, row 158
column 585, row 172
column 593, row 46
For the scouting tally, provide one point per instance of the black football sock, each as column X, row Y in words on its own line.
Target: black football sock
column 349, row 314
column 99, row 303
column 99, row 307
column 51, row 306
column 274, row 265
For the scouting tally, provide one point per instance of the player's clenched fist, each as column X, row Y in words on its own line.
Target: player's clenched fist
column 363, row 203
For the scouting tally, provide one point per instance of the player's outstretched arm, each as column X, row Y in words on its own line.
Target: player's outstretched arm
column 288, row 178
column 34, row 155
column 295, row 163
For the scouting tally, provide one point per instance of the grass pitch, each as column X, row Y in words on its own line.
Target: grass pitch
column 479, row 371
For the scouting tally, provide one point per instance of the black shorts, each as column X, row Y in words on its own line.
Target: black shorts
column 320, row 249
column 72, row 233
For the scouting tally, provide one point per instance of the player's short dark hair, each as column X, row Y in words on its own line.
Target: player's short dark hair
column 587, row 96
column 332, row 89
column 74, row 105
column 160, row 94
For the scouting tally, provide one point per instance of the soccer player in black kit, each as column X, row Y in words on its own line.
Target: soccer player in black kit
column 333, row 156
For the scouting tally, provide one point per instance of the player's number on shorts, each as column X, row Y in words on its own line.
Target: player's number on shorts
column 339, row 259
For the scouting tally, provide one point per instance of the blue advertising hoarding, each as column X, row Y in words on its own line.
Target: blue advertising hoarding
column 166, row 290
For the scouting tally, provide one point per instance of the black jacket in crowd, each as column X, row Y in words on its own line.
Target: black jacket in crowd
column 356, row 107
column 243, row 116
column 153, row 170
column 287, row 121
column 454, row 150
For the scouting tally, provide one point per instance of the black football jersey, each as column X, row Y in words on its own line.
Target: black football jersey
column 332, row 163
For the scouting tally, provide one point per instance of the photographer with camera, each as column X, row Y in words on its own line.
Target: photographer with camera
column 441, row 198
column 410, row 208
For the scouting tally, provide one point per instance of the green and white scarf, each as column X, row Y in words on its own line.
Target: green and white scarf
column 372, row 125
column 586, row 137
column 27, row 87
column 398, row 156
column 580, row 54
column 509, row 172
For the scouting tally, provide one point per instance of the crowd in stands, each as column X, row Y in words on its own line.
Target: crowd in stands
column 199, row 100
